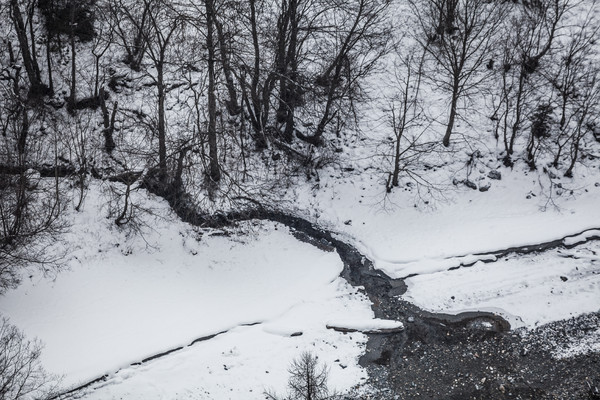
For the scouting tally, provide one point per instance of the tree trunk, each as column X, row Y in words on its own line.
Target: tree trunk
column 36, row 87
column 73, row 60
column 49, row 63
column 214, row 172
column 162, row 135
column 232, row 104
column 108, row 122
column 451, row 119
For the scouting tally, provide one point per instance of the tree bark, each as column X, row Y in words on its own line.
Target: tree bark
column 214, row 172
column 36, row 87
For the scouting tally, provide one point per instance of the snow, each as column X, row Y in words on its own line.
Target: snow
column 402, row 238
column 588, row 344
column 526, row 290
column 269, row 297
column 573, row 240
column 125, row 298
column 371, row 325
column 241, row 364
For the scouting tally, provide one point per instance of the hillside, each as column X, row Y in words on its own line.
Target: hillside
column 196, row 193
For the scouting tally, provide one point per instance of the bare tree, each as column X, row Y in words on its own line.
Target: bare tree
column 21, row 373
column 157, row 29
column 406, row 112
column 36, row 86
column 30, row 206
column 214, row 172
column 573, row 77
column 358, row 41
column 460, row 48
column 587, row 116
column 531, row 34
column 130, row 21
column 308, row 380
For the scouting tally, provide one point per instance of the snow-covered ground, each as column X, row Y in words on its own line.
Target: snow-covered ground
column 527, row 290
column 125, row 298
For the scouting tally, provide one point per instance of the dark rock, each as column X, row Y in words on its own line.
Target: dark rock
column 495, row 174
column 564, row 278
column 470, row 184
column 485, row 186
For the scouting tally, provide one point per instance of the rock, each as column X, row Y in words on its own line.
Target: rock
column 564, row 278
column 470, row 184
column 485, row 186
column 410, row 319
column 296, row 334
column 455, row 182
column 348, row 222
column 495, row 174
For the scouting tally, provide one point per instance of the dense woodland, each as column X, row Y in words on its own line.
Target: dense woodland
column 202, row 101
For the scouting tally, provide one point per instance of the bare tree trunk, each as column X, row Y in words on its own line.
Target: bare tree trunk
column 287, row 65
column 451, row 119
column 259, row 111
column 161, row 129
column 49, row 62
column 36, row 88
column 232, row 104
column 108, row 122
column 72, row 96
column 214, row 172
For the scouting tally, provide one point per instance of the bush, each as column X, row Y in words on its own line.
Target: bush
column 541, row 121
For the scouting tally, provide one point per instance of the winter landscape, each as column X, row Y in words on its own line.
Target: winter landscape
column 299, row 199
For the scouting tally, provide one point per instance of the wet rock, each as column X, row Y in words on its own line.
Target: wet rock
column 485, row 186
column 470, row 184
column 495, row 174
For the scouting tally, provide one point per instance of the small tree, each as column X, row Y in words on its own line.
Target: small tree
column 308, row 380
column 21, row 373
column 405, row 110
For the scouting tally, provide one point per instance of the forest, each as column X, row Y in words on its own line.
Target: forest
column 225, row 106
